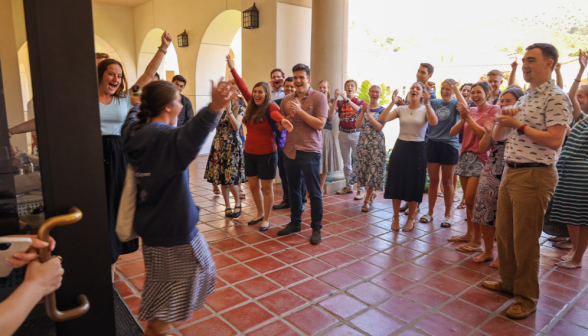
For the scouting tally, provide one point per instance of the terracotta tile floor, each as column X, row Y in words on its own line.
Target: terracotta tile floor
column 362, row 279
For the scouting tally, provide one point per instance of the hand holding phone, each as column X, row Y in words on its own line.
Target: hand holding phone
column 9, row 247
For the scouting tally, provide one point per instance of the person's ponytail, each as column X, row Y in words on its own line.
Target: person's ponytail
column 155, row 97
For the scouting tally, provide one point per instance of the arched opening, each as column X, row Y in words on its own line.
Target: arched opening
column 222, row 37
column 169, row 67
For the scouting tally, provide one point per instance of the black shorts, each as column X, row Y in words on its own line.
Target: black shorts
column 442, row 153
column 263, row 166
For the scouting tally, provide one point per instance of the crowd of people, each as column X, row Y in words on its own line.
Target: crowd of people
column 504, row 146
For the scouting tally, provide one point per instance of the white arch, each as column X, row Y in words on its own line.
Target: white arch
column 149, row 48
column 210, row 63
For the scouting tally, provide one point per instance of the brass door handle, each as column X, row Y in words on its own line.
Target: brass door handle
column 74, row 216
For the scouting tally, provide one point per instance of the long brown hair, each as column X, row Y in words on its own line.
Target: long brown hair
column 254, row 112
column 121, row 91
column 155, row 97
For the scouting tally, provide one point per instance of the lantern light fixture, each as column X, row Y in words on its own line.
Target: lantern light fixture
column 183, row 39
column 251, row 18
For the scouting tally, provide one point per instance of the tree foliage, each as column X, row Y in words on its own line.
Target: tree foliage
column 364, row 89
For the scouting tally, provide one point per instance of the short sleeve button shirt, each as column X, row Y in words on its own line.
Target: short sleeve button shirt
column 541, row 107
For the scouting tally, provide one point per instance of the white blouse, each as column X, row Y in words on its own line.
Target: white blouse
column 413, row 123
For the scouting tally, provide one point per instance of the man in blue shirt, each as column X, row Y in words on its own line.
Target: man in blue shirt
column 494, row 78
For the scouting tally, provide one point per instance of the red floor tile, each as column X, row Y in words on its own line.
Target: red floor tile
column 376, row 323
column 421, row 246
column 123, row 288
column 372, row 230
column 484, row 299
column 196, row 315
column 314, row 250
column 412, row 332
column 138, row 282
column 358, row 251
column 214, row 326
column 538, row 321
column 134, row 304
column 557, row 291
column 334, row 228
column 215, row 235
column 253, row 238
column 567, row 280
column 465, row 312
column 384, row 261
column 426, row 296
column 369, row 293
column 448, row 255
column 343, row 305
column 446, row 285
column 433, row 264
column 392, row 282
column 271, row 246
column 282, row 302
column 131, row 268
column 293, row 240
column 563, row 328
column 313, row 289
column 337, row 258
column 313, row 266
column 277, row 328
column 339, row 279
column 500, row 326
column 247, row 316
column 235, row 273
column 228, row 245
column 343, row 330
column 403, row 253
column 403, row 309
column 578, row 316
column 335, row 242
column 363, row 269
column 465, row 275
column 378, row 244
column 265, row 264
column 311, row 320
column 225, row 298
column 437, row 325
column 287, row 276
column 257, row 286
column 355, row 235
column 291, row 256
column 413, row 272
column 129, row 257
column 222, row 260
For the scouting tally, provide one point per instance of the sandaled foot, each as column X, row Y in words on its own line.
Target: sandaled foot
column 373, row 197
column 461, row 206
column 396, row 223
column 426, row 219
column 569, row 264
column 460, row 239
column 467, row 248
column 365, row 207
column 446, row 223
column 456, row 198
column 483, row 257
column 229, row 212
column 237, row 211
column 563, row 245
column 440, row 194
column 241, row 194
column 494, row 264
column 556, row 239
column 409, row 225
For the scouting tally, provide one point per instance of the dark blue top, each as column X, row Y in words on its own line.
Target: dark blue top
column 166, row 214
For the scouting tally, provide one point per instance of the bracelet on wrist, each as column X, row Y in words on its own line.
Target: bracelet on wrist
column 162, row 50
column 578, row 80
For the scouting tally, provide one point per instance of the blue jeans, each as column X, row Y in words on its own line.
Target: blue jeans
column 306, row 165
column 284, row 178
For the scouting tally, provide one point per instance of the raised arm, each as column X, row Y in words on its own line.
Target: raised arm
column 464, row 113
column 359, row 120
column 486, row 141
column 334, row 106
column 386, row 115
column 152, row 67
column 577, row 110
column 513, row 72
column 431, row 115
column 234, row 116
column 558, row 76
column 27, row 126
column 458, row 95
column 238, row 80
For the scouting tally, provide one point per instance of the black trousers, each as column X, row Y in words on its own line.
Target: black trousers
column 284, row 178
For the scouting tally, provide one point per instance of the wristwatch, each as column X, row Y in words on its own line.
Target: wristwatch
column 521, row 130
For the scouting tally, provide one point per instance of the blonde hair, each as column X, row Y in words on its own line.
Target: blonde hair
column 585, row 88
column 350, row 81
column 495, row 73
column 328, row 89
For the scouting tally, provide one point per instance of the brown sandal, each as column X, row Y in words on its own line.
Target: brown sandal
column 366, row 206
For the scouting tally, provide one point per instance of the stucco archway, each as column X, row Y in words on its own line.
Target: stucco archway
column 148, row 49
column 218, row 40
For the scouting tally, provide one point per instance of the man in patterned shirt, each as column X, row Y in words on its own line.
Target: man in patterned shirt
column 534, row 131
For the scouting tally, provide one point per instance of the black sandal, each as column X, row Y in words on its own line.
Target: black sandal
column 235, row 213
column 255, row 221
column 229, row 212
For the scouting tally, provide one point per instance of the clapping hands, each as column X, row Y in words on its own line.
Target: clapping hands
column 464, row 111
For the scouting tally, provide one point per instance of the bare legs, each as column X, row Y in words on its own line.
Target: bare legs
column 255, row 187
column 579, row 237
column 156, row 327
column 470, row 185
column 234, row 190
column 411, row 213
column 267, row 186
column 447, row 174
column 488, row 232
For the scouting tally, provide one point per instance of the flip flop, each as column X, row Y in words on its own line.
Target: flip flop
column 456, row 198
column 458, row 239
column 440, row 194
column 446, row 223
column 215, row 189
column 426, row 219
column 465, row 248
column 461, row 206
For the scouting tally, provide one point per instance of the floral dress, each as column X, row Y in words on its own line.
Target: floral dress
column 487, row 193
column 369, row 166
column 226, row 163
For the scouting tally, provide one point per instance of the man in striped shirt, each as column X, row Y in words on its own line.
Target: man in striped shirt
column 534, row 131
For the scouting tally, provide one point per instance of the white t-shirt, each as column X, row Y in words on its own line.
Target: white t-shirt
column 413, row 123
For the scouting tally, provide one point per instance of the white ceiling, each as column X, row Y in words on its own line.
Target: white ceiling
column 126, row 3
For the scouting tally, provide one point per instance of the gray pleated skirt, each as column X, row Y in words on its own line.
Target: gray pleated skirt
column 178, row 280
column 329, row 157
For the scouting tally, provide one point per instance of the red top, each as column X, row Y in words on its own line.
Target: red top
column 260, row 138
column 347, row 115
